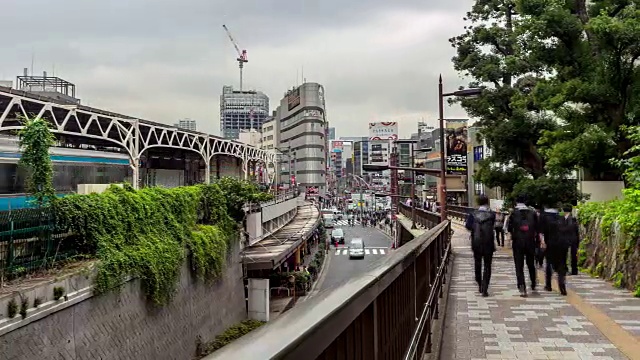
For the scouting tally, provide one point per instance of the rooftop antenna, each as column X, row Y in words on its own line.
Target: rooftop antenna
column 303, row 79
column 33, row 55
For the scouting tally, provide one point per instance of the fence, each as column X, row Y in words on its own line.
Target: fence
column 29, row 241
column 385, row 313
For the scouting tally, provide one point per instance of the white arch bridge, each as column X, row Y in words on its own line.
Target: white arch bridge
column 133, row 135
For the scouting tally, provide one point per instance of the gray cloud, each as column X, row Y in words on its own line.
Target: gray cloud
column 166, row 59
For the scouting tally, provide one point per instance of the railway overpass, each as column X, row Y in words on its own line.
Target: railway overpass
column 146, row 143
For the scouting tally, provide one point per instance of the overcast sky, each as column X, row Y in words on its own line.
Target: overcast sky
column 162, row 60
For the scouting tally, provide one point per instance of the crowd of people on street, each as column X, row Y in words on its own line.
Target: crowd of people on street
column 538, row 236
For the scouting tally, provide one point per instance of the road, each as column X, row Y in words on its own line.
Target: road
column 339, row 268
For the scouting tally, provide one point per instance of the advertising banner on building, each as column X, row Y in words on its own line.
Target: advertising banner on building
column 456, row 136
column 383, row 131
column 478, row 153
column 339, row 145
column 293, row 99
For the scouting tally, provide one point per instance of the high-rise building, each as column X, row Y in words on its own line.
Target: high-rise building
column 186, row 124
column 332, row 133
column 302, row 126
column 241, row 110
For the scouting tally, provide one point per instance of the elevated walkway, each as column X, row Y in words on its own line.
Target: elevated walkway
column 595, row 320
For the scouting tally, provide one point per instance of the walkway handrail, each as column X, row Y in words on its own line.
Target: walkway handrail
column 370, row 316
column 429, row 312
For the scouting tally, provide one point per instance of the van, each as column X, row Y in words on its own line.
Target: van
column 328, row 220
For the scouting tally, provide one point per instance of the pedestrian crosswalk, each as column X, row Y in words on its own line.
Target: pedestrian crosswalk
column 345, row 222
column 367, row 251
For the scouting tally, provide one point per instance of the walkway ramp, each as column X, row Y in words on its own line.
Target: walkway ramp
column 595, row 320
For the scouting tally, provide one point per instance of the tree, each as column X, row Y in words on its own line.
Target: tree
column 35, row 139
column 589, row 51
column 493, row 53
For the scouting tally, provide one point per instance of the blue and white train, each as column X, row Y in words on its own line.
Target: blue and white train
column 72, row 166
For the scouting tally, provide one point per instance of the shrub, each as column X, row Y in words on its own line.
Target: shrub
column 58, row 292
column 12, row 308
column 231, row 334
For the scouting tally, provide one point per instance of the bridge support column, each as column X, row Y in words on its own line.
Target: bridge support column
column 207, row 172
column 135, row 178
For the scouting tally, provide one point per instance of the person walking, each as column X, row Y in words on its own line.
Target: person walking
column 523, row 226
column 570, row 233
column 481, row 224
column 556, row 248
column 499, row 227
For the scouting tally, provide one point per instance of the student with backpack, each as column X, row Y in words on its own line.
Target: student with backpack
column 570, row 232
column 556, row 248
column 481, row 224
column 523, row 226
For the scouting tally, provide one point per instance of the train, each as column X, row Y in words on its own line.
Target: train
column 72, row 166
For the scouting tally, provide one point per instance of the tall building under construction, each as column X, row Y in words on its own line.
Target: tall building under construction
column 242, row 110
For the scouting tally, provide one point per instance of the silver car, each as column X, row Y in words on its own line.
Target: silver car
column 356, row 249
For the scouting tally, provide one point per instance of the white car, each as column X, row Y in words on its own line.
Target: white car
column 356, row 248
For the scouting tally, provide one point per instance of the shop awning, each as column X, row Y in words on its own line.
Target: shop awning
column 274, row 249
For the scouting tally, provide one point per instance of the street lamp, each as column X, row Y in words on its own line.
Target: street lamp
column 443, row 157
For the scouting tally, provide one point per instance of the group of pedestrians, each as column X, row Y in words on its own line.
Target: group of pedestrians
column 536, row 236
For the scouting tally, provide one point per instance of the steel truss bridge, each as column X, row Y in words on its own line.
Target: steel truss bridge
column 134, row 135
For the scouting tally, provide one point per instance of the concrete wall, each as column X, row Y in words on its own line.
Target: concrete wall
column 227, row 166
column 601, row 190
column 123, row 326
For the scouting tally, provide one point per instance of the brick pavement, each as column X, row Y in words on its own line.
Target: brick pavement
column 545, row 325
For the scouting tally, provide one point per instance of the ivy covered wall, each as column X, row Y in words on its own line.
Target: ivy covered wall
column 610, row 245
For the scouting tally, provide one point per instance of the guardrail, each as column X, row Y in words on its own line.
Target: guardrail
column 459, row 212
column 278, row 198
column 385, row 313
column 424, row 218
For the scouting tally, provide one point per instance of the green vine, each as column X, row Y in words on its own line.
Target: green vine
column 35, row 139
column 144, row 233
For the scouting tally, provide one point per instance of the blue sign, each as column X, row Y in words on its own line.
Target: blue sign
column 478, row 153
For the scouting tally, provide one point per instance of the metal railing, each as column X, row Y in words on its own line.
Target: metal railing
column 384, row 313
column 29, row 241
column 459, row 212
column 424, row 218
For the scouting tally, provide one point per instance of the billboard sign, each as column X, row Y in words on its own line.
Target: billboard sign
column 383, row 131
column 456, row 136
column 293, row 98
column 337, row 145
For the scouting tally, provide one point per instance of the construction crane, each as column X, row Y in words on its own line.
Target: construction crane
column 242, row 54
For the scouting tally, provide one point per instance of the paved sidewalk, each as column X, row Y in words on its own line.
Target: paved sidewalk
column 545, row 325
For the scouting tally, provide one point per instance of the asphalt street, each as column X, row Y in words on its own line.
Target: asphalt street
column 340, row 268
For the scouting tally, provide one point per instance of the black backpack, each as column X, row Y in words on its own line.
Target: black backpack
column 523, row 223
column 483, row 222
column 553, row 225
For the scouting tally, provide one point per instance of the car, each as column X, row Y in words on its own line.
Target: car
column 356, row 249
column 337, row 236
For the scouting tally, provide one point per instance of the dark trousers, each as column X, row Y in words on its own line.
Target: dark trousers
column 539, row 256
column 556, row 261
column 500, row 236
column 482, row 263
column 574, row 259
column 520, row 256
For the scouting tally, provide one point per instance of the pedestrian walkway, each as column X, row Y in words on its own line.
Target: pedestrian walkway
column 367, row 251
column 595, row 320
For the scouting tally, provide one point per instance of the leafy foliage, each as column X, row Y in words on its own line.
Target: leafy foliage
column 560, row 80
column 144, row 233
column 494, row 54
column 233, row 333
column 238, row 192
column 590, row 49
column 35, row 139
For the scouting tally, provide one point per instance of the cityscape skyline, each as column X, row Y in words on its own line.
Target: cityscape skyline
column 138, row 76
